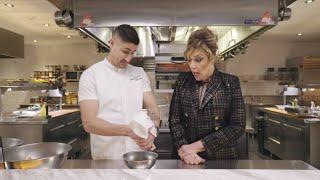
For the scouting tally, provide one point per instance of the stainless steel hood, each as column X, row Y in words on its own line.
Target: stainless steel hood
column 11, row 44
column 101, row 13
column 235, row 22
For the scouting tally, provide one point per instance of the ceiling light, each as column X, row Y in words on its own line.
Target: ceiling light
column 46, row 25
column 299, row 34
column 9, row 5
column 35, row 41
column 308, row 1
column 68, row 36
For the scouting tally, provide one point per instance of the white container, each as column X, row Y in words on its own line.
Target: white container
column 141, row 123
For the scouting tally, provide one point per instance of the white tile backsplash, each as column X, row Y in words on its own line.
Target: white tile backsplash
column 261, row 88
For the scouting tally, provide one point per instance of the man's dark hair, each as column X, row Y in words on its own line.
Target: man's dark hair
column 127, row 33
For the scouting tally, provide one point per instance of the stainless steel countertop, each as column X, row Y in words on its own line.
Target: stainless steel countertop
column 177, row 164
column 289, row 115
column 36, row 120
column 25, row 120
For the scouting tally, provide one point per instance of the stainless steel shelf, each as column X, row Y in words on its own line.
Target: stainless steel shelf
column 23, row 86
column 169, row 54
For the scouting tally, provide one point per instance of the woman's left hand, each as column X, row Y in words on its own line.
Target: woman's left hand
column 193, row 159
column 193, row 148
column 185, row 150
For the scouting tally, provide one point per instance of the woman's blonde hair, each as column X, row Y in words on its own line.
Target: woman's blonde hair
column 203, row 39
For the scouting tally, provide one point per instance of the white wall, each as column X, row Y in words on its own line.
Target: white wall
column 37, row 56
column 264, row 53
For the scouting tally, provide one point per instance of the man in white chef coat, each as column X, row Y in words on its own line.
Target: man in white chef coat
column 110, row 93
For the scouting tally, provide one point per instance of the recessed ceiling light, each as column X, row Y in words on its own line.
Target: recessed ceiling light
column 46, row 25
column 68, row 36
column 299, row 34
column 9, row 5
column 35, row 41
column 308, row 1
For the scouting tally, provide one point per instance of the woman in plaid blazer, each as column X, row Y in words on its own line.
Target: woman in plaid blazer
column 207, row 110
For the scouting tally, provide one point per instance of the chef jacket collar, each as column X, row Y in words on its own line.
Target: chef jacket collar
column 114, row 68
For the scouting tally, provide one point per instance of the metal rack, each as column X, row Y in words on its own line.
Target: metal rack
column 6, row 86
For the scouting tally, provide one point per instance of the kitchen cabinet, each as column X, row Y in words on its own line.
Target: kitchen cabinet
column 64, row 126
column 293, row 141
column 285, row 137
column 273, row 134
column 291, row 138
column 67, row 129
column 164, row 145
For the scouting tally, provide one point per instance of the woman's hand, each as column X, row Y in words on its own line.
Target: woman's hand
column 185, row 150
column 193, row 148
column 188, row 153
column 193, row 159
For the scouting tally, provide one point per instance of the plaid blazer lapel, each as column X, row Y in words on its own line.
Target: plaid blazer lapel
column 194, row 96
column 211, row 88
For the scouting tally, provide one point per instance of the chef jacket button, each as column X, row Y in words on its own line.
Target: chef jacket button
column 216, row 128
column 216, row 118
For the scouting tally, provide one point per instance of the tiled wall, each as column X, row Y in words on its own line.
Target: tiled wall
column 261, row 88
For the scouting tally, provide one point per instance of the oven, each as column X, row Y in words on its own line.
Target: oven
column 71, row 76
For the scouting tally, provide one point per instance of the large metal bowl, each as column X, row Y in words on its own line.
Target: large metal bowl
column 38, row 155
column 11, row 142
column 140, row 159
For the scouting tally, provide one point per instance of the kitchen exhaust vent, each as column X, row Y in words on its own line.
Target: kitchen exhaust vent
column 235, row 22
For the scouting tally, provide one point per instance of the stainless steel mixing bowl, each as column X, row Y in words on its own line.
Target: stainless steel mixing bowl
column 11, row 142
column 140, row 159
column 38, row 155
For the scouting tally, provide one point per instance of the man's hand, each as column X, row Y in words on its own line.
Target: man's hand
column 133, row 135
column 147, row 144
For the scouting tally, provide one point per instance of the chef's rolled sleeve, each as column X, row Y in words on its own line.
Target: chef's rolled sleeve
column 87, row 87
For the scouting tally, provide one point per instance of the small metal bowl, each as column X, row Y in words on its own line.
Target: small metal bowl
column 140, row 159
